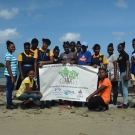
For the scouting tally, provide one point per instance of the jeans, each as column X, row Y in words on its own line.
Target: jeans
column 96, row 102
column 27, row 96
column 115, row 93
column 10, row 87
column 123, row 87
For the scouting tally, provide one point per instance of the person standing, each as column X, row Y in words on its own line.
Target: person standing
column 10, row 73
column 25, row 63
column 113, row 73
column 34, row 46
column 123, row 62
column 78, row 48
column 43, row 56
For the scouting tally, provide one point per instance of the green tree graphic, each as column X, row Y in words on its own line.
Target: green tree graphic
column 68, row 75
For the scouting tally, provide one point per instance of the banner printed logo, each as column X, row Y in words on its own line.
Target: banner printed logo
column 68, row 77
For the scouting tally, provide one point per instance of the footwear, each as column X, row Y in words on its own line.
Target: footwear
column 15, row 106
column 133, row 106
column 42, row 106
column 10, row 107
column 100, row 109
column 124, row 106
column 28, row 106
column 23, row 106
column 48, row 106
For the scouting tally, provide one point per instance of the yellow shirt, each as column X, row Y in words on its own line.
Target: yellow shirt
column 104, row 58
column 36, row 53
column 20, row 56
column 22, row 88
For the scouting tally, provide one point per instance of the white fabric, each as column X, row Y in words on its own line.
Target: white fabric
column 70, row 82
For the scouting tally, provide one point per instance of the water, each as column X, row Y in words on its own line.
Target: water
column 2, row 72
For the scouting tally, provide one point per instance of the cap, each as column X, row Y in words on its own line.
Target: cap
column 84, row 43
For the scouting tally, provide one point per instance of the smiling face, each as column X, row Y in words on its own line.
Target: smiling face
column 78, row 47
column 102, row 74
column 66, row 48
column 56, row 54
column 31, row 74
column 11, row 48
column 27, row 49
column 110, row 50
column 120, row 48
column 44, row 46
column 97, row 51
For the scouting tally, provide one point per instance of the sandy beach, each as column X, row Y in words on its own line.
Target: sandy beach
column 61, row 121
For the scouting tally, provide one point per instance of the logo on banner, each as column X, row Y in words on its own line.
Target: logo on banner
column 69, row 92
column 80, row 94
column 57, row 91
column 68, row 76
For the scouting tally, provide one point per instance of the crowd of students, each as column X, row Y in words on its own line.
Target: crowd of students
column 33, row 58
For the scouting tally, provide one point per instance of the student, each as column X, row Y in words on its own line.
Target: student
column 113, row 73
column 43, row 56
column 100, row 102
column 72, row 46
column 34, row 45
column 67, row 56
column 56, row 52
column 10, row 73
column 84, row 57
column 78, row 48
column 25, row 63
column 133, row 68
column 123, row 62
column 98, row 60
column 25, row 92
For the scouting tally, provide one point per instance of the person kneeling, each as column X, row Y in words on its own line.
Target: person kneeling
column 25, row 92
column 100, row 102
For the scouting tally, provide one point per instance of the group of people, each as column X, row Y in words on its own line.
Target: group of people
column 113, row 71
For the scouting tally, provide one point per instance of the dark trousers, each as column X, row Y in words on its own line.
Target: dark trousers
column 115, row 88
column 10, row 87
column 96, row 102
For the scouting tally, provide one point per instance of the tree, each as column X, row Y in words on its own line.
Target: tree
column 1, row 64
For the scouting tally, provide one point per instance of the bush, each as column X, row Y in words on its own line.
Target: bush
column 1, row 64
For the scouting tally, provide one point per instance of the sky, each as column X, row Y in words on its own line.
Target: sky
column 93, row 21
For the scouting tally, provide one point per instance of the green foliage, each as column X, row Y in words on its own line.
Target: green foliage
column 1, row 64
column 68, row 75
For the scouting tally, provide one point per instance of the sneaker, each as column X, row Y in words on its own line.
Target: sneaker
column 133, row 106
column 23, row 106
column 48, row 106
column 124, row 106
column 10, row 107
column 42, row 105
column 15, row 106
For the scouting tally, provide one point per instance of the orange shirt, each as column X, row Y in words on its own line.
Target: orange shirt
column 105, row 94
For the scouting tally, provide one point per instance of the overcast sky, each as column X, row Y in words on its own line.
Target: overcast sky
column 94, row 21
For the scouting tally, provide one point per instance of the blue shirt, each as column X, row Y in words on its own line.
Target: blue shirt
column 133, row 64
column 13, row 64
column 84, row 58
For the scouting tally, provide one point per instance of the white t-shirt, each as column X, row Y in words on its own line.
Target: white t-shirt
column 110, row 65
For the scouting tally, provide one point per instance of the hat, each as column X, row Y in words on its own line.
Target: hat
column 84, row 43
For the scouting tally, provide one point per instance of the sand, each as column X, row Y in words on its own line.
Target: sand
column 59, row 121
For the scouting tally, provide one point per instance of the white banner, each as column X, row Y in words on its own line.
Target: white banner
column 70, row 82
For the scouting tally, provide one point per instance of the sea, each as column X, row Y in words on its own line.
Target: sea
column 2, row 72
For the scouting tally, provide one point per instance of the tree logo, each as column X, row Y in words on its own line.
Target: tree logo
column 68, row 77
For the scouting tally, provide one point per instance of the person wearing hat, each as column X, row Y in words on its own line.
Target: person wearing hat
column 84, row 58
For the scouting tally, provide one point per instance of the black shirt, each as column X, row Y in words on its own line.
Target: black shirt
column 123, row 57
column 58, row 61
